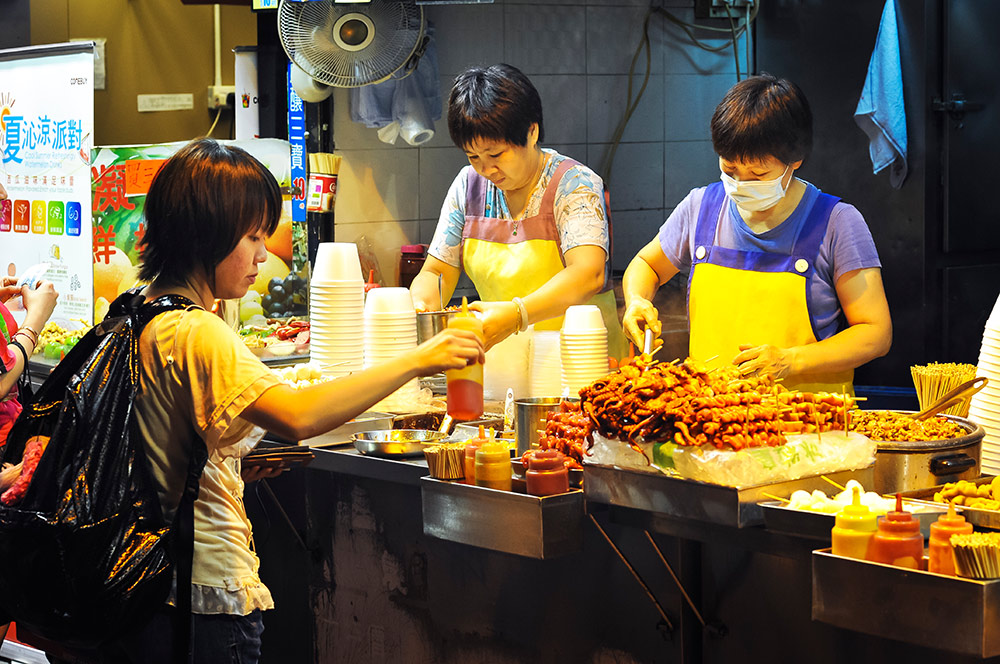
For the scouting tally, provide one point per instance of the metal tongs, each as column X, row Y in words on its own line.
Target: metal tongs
column 953, row 398
column 647, row 342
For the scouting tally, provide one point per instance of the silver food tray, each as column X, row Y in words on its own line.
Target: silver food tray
column 679, row 497
column 342, row 435
column 817, row 525
column 926, row 609
column 978, row 517
column 530, row 526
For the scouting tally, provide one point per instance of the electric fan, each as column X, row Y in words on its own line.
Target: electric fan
column 347, row 46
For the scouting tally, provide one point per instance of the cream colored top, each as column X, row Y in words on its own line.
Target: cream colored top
column 197, row 377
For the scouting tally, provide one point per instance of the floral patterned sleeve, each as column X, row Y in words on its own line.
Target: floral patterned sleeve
column 447, row 242
column 579, row 208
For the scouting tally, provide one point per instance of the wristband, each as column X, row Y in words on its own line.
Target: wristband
column 24, row 353
column 522, row 314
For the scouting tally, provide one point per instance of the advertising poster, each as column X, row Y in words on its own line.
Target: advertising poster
column 46, row 134
column 121, row 177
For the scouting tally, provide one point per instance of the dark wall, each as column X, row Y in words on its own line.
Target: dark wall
column 825, row 48
column 15, row 23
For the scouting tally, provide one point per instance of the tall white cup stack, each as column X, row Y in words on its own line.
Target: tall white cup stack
column 545, row 368
column 336, row 305
column 583, row 343
column 390, row 324
column 985, row 405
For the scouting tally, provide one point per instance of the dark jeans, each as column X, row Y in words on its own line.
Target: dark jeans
column 216, row 639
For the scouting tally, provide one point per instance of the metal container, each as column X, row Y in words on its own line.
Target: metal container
column 430, row 323
column 912, row 465
column 342, row 434
column 529, row 526
column 396, row 443
column 529, row 416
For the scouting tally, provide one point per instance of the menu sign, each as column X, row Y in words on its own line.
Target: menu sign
column 46, row 132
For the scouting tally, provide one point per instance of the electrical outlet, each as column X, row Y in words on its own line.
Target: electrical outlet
column 717, row 8
column 218, row 96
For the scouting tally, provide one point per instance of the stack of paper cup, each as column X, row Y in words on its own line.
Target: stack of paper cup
column 583, row 343
column 390, row 323
column 545, row 369
column 985, row 405
column 336, row 305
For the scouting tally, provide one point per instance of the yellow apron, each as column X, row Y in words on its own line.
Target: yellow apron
column 752, row 298
column 505, row 259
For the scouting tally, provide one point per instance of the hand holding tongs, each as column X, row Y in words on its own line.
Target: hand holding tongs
column 953, row 398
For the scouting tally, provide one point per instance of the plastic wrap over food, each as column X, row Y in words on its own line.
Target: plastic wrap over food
column 803, row 455
column 608, row 452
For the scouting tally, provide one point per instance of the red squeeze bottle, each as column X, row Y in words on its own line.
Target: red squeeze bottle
column 465, row 386
column 470, row 455
column 547, row 473
column 898, row 540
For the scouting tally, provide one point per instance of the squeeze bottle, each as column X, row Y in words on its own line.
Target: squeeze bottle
column 470, row 455
column 853, row 528
column 941, row 555
column 546, row 474
column 465, row 386
column 898, row 540
column 493, row 468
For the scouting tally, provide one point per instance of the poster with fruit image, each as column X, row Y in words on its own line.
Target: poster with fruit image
column 120, row 179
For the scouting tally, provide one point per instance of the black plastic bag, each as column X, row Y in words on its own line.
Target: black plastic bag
column 87, row 555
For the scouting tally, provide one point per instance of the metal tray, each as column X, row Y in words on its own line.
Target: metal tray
column 679, row 497
column 932, row 610
column 977, row 517
column 529, row 526
column 817, row 525
column 396, row 443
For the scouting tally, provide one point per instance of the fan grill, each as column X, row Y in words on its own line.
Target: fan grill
column 306, row 30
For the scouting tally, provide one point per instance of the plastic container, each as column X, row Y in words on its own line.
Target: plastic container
column 547, row 473
column 898, row 540
column 411, row 259
column 853, row 529
column 465, row 386
column 493, row 469
column 941, row 555
column 470, row 455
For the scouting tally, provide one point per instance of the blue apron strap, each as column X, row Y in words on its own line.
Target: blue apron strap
column 708, row 219
column 813, row 230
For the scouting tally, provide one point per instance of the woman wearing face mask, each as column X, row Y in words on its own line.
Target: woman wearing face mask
column 528, row 225
column 772, row 261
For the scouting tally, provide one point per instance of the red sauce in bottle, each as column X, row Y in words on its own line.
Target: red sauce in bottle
column 465, row 399
column 547, row 473
column 898, row 540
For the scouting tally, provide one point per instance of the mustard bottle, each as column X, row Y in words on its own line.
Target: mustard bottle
column 465, row 386
column 853, row 528
column 493, row 469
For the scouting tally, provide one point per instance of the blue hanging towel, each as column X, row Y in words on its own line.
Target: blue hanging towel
column 880, row 112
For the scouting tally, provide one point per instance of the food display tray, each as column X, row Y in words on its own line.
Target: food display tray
column 817, row 525
column 507, row 521
column 679, row 497
column 918, row 607
column 977, row 517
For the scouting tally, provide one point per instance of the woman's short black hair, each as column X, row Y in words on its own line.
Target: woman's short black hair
column 202, row 202
column 496, row 103
column 763, row 116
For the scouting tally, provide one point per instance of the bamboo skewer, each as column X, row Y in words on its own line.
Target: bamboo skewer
column 773, row 497
column 839, row 486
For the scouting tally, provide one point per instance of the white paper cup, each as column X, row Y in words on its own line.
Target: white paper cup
column 337, row 261
column 389, row 301
column 583, row 317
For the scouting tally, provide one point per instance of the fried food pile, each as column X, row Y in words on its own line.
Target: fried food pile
column 689, row 405
column 566, row 431
column 970, row 494
column 886, row 425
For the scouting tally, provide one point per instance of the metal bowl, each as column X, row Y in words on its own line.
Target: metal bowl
column 430, row 323
column 396, row 443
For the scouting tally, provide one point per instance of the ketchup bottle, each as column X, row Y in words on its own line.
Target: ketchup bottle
column 898, row 540
column 470, row 455
column 465, row 386
column 941, row 555
column 547, row 473
column 853, row 529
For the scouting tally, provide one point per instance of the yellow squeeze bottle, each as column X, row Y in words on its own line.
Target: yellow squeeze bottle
column 853, row 529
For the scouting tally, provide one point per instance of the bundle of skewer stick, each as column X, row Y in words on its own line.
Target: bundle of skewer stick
column 446, row 461
column 934, row 380
column 977, row 555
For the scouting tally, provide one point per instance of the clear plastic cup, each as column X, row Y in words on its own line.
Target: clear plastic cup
column 337, row 261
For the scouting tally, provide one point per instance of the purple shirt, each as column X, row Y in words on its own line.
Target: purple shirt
column 847, row 246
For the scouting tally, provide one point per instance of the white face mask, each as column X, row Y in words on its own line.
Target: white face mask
column 756, row 195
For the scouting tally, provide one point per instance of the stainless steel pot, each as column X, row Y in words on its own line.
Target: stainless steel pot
column 430, row 323
column 529, row 419
column 911, row 465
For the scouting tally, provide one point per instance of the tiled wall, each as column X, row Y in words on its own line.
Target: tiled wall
column 578, row 56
